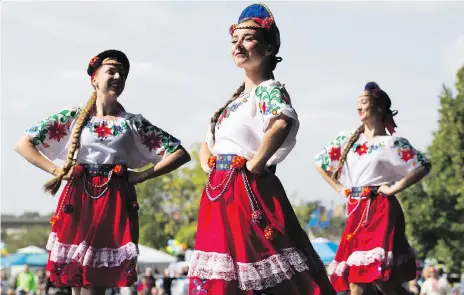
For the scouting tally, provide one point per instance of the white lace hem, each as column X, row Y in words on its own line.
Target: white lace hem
column 359, row 258
column 89, row 256
column 259, row 275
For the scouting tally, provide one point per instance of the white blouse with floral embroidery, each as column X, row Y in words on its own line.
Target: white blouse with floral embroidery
column 241, row 126
column 129, row 139
column 371, row 161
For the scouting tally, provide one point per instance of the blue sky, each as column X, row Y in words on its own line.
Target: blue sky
column 182, row 71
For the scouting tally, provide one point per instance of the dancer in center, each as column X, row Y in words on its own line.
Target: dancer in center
column 249, row 240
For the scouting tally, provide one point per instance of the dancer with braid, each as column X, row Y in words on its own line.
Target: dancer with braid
column 248, row 239
column 369, row 167
column 93, row 243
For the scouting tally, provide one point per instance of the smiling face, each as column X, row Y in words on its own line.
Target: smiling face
column 249, row 49
column 368, row 111
column 109, row 79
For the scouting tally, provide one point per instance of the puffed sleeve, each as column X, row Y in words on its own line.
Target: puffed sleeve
column 52, row 136
column 273, row 100
column 329, row 157
column 209, row 138
column 152, row 144
column 405, row 158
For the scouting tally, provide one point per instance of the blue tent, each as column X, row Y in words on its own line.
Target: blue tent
column 325, row 248
column 24, row 258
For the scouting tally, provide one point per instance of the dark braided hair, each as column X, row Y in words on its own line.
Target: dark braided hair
column 354, row 137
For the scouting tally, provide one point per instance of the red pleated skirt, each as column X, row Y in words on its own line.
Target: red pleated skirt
column 373, row 246
column 232, row 254
column 96, row 243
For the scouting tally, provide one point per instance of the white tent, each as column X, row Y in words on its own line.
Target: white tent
column 31, row 250
column 152, row 256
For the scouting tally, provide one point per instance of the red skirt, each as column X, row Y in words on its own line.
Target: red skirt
column 232, row 254
column 96, row 243
column 373, row 246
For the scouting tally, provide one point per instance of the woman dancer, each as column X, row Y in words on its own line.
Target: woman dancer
column 248, row 237
column 93, row 244
column 372, row 167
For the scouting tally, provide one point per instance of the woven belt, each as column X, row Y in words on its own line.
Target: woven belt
column 361, row 192
column 223, row 162
column 98, row 169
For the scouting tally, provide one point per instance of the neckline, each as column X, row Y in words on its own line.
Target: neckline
column 374, row 137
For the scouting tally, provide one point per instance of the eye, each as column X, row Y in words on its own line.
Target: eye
column 234, row 41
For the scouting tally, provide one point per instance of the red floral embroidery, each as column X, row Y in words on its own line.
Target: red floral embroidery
column 103, row 131
column 263, row 107
column 335, row 154
column 151, row 141
column 407, row 155
column 57, row 131
column 362, row 149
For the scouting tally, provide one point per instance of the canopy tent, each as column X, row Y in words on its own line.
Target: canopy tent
column 31, row 250
column 16, row 259
column 325, row 248
column 153, row 257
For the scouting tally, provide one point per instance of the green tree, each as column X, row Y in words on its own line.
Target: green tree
column 169, row 205
column 435, row 208
column 27, row 236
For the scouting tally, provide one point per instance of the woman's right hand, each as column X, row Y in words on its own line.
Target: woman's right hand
column 343, row 191
column 205, row 167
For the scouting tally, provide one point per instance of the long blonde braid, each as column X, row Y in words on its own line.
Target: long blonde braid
column 53, row 185
column 348, row 146
column 216, row 115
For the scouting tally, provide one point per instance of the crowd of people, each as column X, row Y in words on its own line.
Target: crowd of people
column 150, row 281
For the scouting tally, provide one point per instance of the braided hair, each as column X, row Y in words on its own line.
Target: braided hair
column 53, row 185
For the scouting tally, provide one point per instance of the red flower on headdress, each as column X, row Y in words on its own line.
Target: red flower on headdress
column 232, row 29
column 57, row 131
column 94, row 60
column 267, row 23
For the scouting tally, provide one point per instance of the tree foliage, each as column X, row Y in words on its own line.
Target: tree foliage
column 169, row 205
column 434, row 209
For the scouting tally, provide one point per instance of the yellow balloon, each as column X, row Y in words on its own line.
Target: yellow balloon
column 176, row 243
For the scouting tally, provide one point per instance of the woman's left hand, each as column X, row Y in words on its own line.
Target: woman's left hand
column 385, row 190
column 255, row 168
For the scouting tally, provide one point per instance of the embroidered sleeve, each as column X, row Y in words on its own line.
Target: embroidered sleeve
column 406, row 158
column 273, row 100
column 152, row 143
column 329, row 158
column 52, row 135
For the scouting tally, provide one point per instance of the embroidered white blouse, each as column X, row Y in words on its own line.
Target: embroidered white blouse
column 241, row 126
column 371, row 161
column 129, row 139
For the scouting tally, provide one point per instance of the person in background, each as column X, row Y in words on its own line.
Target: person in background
column 443, row 284
column 4, row 282
column 26, row 282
